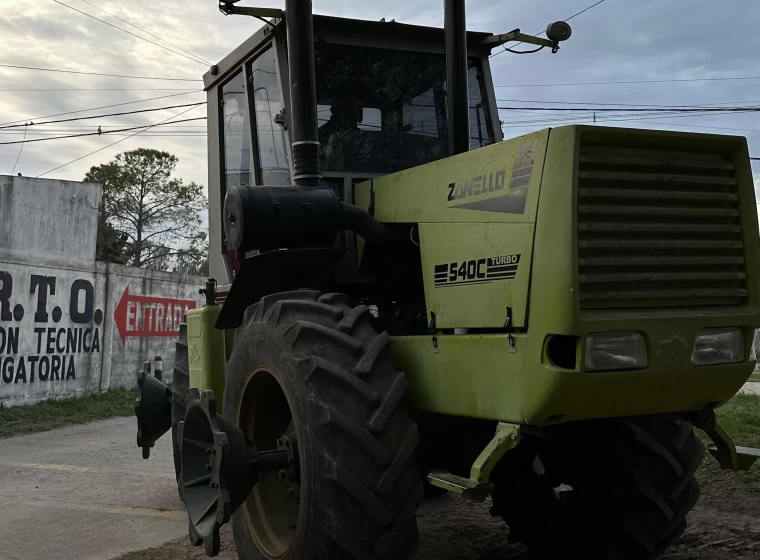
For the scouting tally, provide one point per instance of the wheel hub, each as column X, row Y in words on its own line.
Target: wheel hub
column 272, row 511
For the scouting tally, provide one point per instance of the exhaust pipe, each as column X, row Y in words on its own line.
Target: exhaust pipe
column 303, row 93
column 458, row 96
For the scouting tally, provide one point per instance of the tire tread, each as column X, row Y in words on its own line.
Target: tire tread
column 356, row 394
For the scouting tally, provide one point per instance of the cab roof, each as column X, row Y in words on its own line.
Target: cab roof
column 380, row 34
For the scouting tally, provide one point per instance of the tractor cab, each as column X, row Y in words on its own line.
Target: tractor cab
column 381, row 106
column 381, row 101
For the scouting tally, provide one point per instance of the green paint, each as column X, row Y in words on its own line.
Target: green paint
column 207, row 350
column 480, row 375
column 522, row 197
column 465, row 487
column 507, row 437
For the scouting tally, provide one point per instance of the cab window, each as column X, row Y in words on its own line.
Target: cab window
column 236, row 133
column 382, row 110
column 273, row 153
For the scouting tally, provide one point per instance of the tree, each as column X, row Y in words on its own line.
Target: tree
column 196, row 263
column 158, row 215
column 192, row 261
column 111, row 243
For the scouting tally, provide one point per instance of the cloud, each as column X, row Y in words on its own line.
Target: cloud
column 617, row 40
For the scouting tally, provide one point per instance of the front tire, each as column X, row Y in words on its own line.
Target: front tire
column 311, row 367
column 606, row 489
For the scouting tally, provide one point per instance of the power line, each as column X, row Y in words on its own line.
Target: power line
column 130, row 33
column 113, row 144
column 100, row 133
column 97, row 89
column 621, row 104
column 544, row 31
column 629, row 82
column 147, row 32
column 674, row 112
column 573, row 120
column 188, row 133
column 703, row 126
column 80, row 127
column 685, row 125
column 554, row 121
column 98, row 73
column 109, row 115
column 600, row 119
column 102, row 107
column 163, row 135
column 634, row 110
column 198, row 131
column 582, row 11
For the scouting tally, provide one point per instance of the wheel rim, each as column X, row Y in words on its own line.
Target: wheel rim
column 272, row 509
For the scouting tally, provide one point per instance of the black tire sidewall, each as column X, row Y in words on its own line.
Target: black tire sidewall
column 180, row 384
column 606, row 514
column 262, row 346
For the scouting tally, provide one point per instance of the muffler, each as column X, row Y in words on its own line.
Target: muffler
column 220, row 467
column 153, row 408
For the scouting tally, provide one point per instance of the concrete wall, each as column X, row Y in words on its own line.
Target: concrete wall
column 145, row 326
column 47, row 220
column 70, row 325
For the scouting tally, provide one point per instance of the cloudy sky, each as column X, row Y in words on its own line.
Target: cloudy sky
column 617, row 40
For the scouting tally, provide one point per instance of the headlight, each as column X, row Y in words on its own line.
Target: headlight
column 718, row 346
column 615, row 351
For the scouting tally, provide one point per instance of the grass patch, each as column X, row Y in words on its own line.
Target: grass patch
column 740, row 417
column 48, row 415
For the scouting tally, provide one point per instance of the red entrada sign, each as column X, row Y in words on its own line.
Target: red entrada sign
column 144, row 316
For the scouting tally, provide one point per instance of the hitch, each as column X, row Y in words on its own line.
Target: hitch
column 153, row 407
column 728, row 455
column 478, row 487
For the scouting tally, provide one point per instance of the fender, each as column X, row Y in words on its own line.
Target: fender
column 278, row 271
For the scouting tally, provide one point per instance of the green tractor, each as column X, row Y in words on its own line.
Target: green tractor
column 408, row 303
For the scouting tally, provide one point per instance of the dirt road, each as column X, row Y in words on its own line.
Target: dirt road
column 84, row 493
column 724, row 526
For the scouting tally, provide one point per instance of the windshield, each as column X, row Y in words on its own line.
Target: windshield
column 381, row 110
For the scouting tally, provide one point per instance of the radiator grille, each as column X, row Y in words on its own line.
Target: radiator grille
column 658, row 229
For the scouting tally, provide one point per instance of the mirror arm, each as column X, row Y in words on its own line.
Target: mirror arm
column 515, row 35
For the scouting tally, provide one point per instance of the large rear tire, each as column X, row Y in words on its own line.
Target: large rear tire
column 311, row 367
column 613, row 489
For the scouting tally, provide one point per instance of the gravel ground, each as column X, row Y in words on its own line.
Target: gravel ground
column 725, row 525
